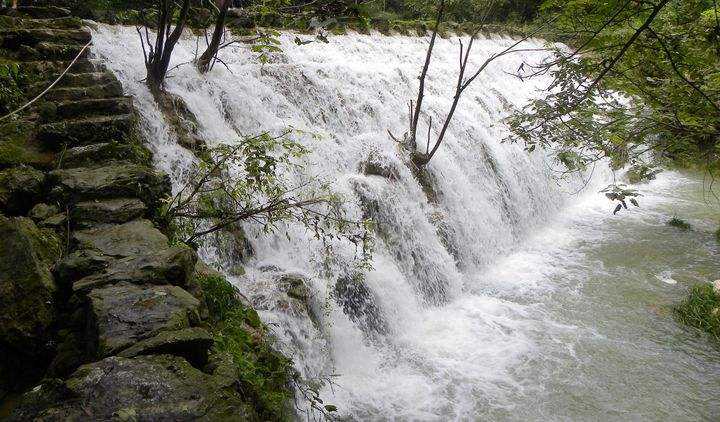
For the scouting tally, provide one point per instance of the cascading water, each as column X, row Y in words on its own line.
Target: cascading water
column 499, row 297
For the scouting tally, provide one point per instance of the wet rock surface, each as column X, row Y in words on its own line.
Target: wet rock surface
column 149, row 388
column 123, row 314
column 115, row 180
column 120, row 210
column 27, row 298
column 20, row 187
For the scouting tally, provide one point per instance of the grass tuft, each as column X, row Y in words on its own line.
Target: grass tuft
column 701, row 309
column 679, row 223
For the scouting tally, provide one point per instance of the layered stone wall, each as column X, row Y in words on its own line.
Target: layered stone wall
column 102, row 318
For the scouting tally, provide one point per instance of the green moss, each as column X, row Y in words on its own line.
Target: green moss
column 701, row 309
column 263, row 372
column 17, row 146
column 679, row 223
column 140, row 153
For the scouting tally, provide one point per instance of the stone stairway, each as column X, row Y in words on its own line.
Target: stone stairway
column 122, row 332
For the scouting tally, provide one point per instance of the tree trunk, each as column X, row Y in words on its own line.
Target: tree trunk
column 205, row 60
column 158, row 61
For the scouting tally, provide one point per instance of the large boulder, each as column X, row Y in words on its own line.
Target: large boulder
column 144, row 388
column 20, row 188
column 26, row 298
column 121, row 315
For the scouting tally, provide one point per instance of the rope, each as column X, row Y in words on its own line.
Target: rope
column 51, row 85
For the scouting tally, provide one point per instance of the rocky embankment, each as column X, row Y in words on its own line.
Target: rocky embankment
column 102, row 317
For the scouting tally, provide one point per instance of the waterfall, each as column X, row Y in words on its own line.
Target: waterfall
column 431, row 332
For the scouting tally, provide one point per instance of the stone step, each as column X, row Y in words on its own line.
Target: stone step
column 138, row 238
column 69, row 22
column 94, row 107
column 95, row 154
column 192, row 344
column 108, row 211
column 85, row 131
column 155, row 387
column 124, row 314
column 12, row 39
column 88, row 79
column 52, row 69
column 109, row 90
column 34, row 12
column 75, row 78
column 116, row 180
column 51, row 51
column 169, row 265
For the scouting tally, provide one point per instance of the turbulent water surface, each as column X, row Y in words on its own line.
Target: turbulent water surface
column 504, row 298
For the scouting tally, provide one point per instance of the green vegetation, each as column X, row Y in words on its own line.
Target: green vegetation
column 264, row 373
column 215, row 194
column 11, row 83
column 662, row 56
column 455, row 10
column 679, row 223
column 396, row 15
column 701, row 309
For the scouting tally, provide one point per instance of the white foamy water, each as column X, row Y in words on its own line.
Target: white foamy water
column 506, row 299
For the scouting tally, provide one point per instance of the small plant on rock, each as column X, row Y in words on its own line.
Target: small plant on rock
column 701, row 309
column 679, row 223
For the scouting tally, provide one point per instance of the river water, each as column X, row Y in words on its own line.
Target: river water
column 507, row 297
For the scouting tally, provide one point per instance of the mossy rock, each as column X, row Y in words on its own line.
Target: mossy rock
column 263, row 373
column 193, row 344
column 27, row 299
column 679, row 223
column 20, row 188
column 148, row 388
column 109, row 211
column 17, row 147
column 166, row 266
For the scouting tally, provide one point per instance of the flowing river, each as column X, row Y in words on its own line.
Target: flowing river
column 507, row 296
